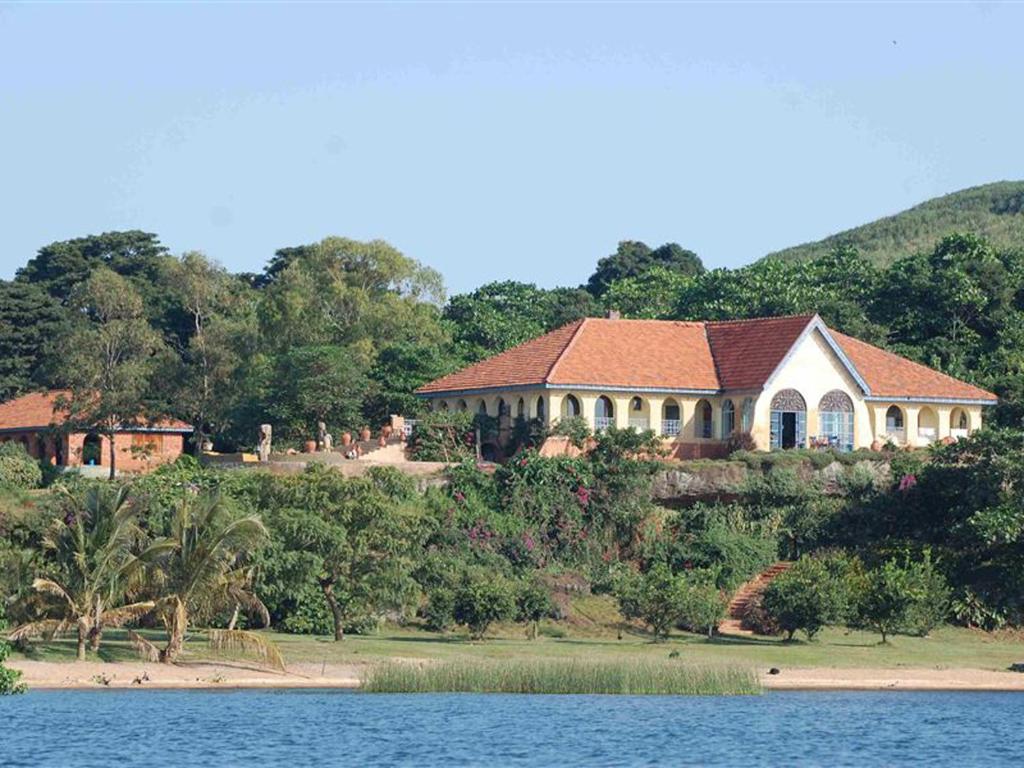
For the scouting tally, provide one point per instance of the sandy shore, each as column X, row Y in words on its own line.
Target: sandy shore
column 893, row 679
column 89, row 674
column 140, row 675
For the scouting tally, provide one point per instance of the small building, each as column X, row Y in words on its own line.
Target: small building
column 37, row 422
column 790, row 382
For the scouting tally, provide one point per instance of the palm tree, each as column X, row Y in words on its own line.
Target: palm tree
column 90, row 549
column 200, row 573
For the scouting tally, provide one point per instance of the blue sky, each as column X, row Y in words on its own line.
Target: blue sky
column 496, row 141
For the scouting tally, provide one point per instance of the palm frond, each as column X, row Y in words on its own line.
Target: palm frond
column 248, row 643
column 145, row 649
column 51, row 587
column 117, row 617
column 46, row 628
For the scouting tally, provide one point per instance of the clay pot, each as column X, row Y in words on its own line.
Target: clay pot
column 382, row 441
column 386, row 431
column 346, row 438
column 364, row 433
column 877, row 446
column 310, row 446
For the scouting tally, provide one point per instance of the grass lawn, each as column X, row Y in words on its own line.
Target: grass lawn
column 598, row 639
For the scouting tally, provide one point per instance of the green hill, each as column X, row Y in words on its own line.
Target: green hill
column 995, row 211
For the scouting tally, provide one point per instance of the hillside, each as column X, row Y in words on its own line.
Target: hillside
column 995, row 211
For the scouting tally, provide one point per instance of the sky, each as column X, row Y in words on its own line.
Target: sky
column 496, row 141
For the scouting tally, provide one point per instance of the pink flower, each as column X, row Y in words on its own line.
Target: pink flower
column 907, row 482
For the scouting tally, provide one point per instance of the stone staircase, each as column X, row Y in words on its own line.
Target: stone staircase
column 733, row 623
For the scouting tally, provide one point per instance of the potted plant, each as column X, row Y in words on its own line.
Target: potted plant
column 310, row 446
column 346, row 438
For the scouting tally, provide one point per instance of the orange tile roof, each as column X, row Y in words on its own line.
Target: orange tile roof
column 747, row 352
column 889, row 375
column 37, row 410
column 671, row 355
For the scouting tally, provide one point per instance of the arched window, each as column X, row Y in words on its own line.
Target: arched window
column 604, row 413
column 540, row 408
column 92, row 450
column 639, row 414
column 747, row 419
column 636, row 404
column 835, row 420
column 444, row 405
column 462, row 405
column 482, row 407
column 670, row 418
column 894, row 422
column 728, row 419
column 521, row 409
column 502, row 407
column 570, row 407
column 702, row 420
column 789, row 420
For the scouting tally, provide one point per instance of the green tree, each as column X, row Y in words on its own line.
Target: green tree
column 807, row 597
column 703, row 605
column 356, row 538
column 657, row 598
column 633, row 258
column 29, row 321
column 108, row 358
column 320, row 383
column 90, row 565
column 533, row 603
column 483, row 599
column 888, row 597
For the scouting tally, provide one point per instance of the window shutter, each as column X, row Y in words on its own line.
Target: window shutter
column 776, row 429
column 801, row 429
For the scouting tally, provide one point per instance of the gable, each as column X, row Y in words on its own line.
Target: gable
column 747, row 352
column 813, row 367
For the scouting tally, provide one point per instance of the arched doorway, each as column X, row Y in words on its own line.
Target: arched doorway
column 670, row 418
column 927, row 425
column 639, row 414
column 92, row 450
column 461, row 405
column 959, row 423
column 747, row 414
column 788, row 420
column 540, row 408
column 521, row 409
column 604, row 413
column 703, row 417
column 835, row 420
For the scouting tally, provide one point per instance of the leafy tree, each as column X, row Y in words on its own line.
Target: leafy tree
column 482, row 600
column 444, row 436
column 355, row 537
column 656, row 597
column 61, row 266
column 807, row 597
column 439, row 611
column 29, row 321
column 398, row 370
column 633, row 258
column 703, row 606
column 201, row 569
column 319, row 383
column 889, row 595
column 90, row 566
column 533, row 603
column 108, row 358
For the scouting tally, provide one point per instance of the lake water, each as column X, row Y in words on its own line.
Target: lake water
column 299, row 728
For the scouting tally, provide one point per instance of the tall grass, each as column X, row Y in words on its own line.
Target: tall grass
column 561, row 676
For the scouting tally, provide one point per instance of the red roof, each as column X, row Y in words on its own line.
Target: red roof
column 889, row 375
column 671, row 355
column 37, row 410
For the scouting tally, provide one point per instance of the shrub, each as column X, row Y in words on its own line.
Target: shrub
column 17, row 468
column 741, row 441
column 481, row 601
column 439, row 612
column 931, row 604
column 575, row 428
column 656, row 598
column 8, row 677
column 911, row 597
column 757, row 619
column 444, row 436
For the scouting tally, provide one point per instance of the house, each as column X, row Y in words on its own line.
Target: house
column 38, row 422
column 787, row 381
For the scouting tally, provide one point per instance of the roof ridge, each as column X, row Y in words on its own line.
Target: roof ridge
column 739, row 321
column 572, row 340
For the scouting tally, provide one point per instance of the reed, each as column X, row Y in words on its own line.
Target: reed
column 633, row 677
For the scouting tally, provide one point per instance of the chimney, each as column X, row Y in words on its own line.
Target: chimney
column 614, row 314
